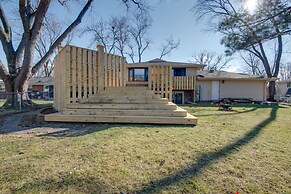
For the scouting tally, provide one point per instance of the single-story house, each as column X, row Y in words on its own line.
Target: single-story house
column 215, row 85
column 41, row 87
column 283, row 86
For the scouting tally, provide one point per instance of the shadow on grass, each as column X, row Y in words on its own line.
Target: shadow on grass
column 208, row 158
column 78, row 130
column 223, row 113
column 73, row 182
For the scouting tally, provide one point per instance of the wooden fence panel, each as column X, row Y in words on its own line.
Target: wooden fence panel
column 160, row 80
column 81, row 72
column 184, row 83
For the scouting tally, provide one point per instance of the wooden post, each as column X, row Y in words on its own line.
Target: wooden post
column 85, row 76
column 90, row 80
column 80, row 71
column 109, row 70
column 105, row 70
column 94, row 63
column 68, row 75
column 74, row 74
column 100, row 49
column 114, row 70
column 170, row 83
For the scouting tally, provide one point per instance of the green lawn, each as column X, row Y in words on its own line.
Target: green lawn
column 2, row 102
column 245, row 150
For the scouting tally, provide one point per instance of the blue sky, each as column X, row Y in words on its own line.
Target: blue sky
column 170, row 17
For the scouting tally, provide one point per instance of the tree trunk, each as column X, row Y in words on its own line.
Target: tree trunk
column 272, row 91
column 16, row 96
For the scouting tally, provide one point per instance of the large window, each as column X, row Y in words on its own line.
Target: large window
column 179, row 71
column 138, row 74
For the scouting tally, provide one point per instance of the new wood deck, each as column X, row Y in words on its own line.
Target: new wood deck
column 124, row 105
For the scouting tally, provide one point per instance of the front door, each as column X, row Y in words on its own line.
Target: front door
column 215, row 90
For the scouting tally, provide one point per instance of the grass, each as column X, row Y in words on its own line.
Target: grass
column 2, row 101
column 245, row 150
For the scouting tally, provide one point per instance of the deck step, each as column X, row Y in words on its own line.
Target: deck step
column 168, row 106
column 106, row 112
column 124, row 97
column 124, row 105
column 127, row 89
column 124, row 101
column 188, row 120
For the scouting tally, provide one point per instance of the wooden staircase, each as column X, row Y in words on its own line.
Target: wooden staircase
column 124, row 105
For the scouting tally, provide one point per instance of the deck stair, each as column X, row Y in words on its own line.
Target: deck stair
column 124, row 105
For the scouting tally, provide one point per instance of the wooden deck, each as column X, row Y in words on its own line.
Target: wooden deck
column 124, row 105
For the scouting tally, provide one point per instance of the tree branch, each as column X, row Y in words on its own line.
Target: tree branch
column 40, row 14
column 62, row 37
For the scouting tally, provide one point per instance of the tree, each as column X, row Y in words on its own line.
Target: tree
column 127, row 36
column 254, row 65
column 211, row 60
column 112, row 34
column 285, row 71
column 20, row 61
column 51, row 30
column 141, row 23
column 168, row 46
column 103, row 34
column 251, row 32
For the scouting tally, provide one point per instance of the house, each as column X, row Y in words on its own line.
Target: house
column 94, row 86
column 283, row 86
column 2, row 86
column 41, row 87
column 183, row 77
column 215, row 85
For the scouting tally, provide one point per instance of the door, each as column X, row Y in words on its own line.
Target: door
column 178, row 97
column 215, row 90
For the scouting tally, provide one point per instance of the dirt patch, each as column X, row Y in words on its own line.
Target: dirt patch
column 32, row 123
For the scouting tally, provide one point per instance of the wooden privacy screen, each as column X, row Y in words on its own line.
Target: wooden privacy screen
column 160, row 80
column 184, row 83
column 82, row 72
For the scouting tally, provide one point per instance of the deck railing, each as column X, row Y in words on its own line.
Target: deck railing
column 184, row 82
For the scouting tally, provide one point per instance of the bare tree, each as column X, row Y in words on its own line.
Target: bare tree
column 51, row 30
column 20, row 61
column 254, row 65
column 141, row 24
column 103, row 33
column 285, row 71
column 211, row 60
column 121, row 27
column 168, row 46
column 251, row 32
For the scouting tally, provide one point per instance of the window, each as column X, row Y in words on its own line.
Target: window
column 288, row 84
column 179, row 71
column 138, row 74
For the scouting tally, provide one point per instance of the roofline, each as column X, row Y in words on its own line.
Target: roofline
column 227, row 78
column 172, row 64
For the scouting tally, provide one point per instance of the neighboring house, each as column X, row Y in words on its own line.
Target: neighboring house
column 41, row 87
column 215, row 85
column 183, row 77
column 283, row 86
column 2, row 87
